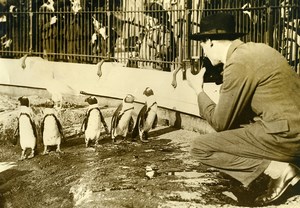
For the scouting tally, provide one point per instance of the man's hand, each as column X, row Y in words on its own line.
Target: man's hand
column 195, row 81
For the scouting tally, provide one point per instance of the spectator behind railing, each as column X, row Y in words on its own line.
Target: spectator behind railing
column 61, row 43
column 48, row 28
column 105, row 27
column 74, row 29
column 3, row 25
column 158, row 42
column 287, row 32
column 8, row 16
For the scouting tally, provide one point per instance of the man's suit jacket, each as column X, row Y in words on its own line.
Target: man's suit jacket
column 257, row 81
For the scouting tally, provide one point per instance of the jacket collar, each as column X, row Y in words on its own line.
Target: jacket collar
column 236, row 43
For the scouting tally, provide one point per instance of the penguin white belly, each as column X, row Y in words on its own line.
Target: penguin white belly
column 51, row 134
column 93, row 128
column 149, row 120
column 27, row 138
column 122, row 127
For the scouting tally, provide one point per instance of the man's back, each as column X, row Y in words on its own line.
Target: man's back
column 270, row 84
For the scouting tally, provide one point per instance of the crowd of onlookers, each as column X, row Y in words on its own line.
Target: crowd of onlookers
column 83, row 30
column 73, row 27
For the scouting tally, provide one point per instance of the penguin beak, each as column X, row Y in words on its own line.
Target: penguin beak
column 145, row 91
column 87, row 99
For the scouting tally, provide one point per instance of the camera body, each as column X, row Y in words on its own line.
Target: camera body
column 212, row 73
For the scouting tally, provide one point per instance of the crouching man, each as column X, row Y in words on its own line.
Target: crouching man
column 257, row 83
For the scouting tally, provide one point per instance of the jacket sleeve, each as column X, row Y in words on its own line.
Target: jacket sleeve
column 235, row 96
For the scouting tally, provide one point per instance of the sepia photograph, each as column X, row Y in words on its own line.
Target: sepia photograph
column 149, row 103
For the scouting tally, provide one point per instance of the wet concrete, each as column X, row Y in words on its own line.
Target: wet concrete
column 110, row 175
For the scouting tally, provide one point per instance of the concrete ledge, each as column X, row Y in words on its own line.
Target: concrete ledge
column 116, row 81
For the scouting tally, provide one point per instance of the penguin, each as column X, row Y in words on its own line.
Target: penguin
column 51, row 128
column 26, row 128
column 122, row 121
column 147, row 117
column 91, row 125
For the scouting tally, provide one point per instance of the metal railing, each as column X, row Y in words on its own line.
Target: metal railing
column 136, row 33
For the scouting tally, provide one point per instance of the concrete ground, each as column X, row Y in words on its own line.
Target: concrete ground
column 160, row 173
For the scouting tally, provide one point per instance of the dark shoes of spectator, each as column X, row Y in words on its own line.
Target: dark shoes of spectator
column 289, row 177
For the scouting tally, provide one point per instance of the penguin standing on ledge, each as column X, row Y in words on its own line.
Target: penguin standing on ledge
column 147, row 117
column 26, row 128
column 92, row 123
column 122, row 121
column 52, row 131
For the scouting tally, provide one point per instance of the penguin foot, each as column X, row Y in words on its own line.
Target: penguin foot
column 59, row 151
column 22, row 158
column 144, row 138
column 87, row 143
column 133, row 140
column 45, row 153
column 119, row 139
column 30, row 156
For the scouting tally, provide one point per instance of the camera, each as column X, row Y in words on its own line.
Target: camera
column 212, row 73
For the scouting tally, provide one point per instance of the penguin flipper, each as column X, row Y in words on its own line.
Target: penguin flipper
column 33, row 128
column 139, row 120
column 84, row 124
column 135, row 131
column 130, row 125
column 42, row 128
column 115, row 118
column 15, row 136
column 60, row 128
column 102, row 120
column 155, row 122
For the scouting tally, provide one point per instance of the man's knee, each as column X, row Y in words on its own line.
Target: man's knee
column 200, row 148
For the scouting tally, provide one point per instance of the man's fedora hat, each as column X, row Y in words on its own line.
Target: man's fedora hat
column 219, row 26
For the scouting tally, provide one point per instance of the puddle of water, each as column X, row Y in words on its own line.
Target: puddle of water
column 196, row 182
column 81, row 194
column 189, row 174
column 193, row 178
column 185, row 195
column 6, row 165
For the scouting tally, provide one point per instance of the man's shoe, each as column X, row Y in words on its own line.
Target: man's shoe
column 289, row 177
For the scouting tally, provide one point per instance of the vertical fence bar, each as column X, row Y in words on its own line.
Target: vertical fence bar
column 188, row 8
column 30, row 26
column 109, row 25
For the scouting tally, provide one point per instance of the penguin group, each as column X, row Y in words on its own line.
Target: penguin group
column 51, row 128
column 122, row 123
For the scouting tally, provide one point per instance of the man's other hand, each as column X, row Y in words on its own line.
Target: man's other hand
column 195, row 81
